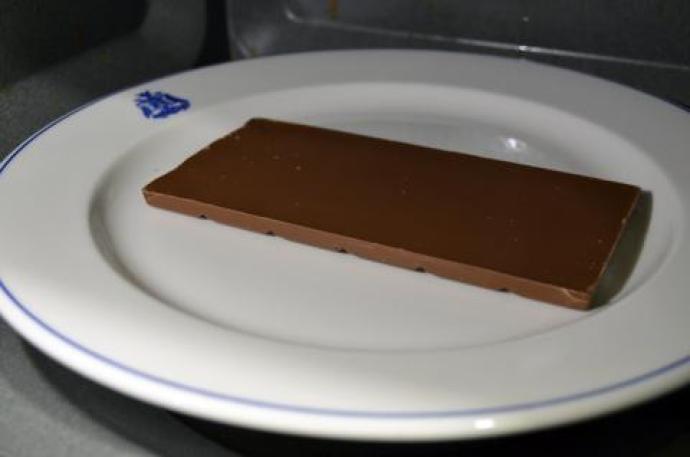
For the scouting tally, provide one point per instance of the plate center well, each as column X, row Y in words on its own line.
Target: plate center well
column 288, row 292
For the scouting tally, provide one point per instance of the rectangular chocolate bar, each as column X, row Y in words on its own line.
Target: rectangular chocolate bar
column 539, row 233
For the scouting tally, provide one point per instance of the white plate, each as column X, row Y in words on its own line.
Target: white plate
column 254, row 330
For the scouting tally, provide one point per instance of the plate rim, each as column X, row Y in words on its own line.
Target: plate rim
column 75, row 345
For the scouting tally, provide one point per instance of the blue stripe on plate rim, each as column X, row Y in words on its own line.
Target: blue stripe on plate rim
column 252, row 402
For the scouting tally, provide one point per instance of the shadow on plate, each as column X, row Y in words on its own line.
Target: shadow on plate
column 626, row 253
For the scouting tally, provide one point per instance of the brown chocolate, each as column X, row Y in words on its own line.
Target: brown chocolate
column 539, row 233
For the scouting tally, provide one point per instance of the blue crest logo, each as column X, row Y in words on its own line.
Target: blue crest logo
column 158, row 105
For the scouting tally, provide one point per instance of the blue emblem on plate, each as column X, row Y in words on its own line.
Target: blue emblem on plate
column 158, row 105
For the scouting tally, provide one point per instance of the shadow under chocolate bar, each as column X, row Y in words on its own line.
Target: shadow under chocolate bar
column 539, row 233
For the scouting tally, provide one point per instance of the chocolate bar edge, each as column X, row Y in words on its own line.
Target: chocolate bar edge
column 471, row 274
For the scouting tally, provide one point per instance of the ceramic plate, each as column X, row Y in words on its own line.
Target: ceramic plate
column 248, row 329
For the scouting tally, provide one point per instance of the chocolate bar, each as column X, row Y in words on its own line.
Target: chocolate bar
column 542, row 234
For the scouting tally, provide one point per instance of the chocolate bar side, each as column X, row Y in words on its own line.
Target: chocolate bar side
column 265, row 208
column 392, row 256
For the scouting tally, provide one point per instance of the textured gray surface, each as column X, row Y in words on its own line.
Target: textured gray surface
column 34, row 33
column 167, row 42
